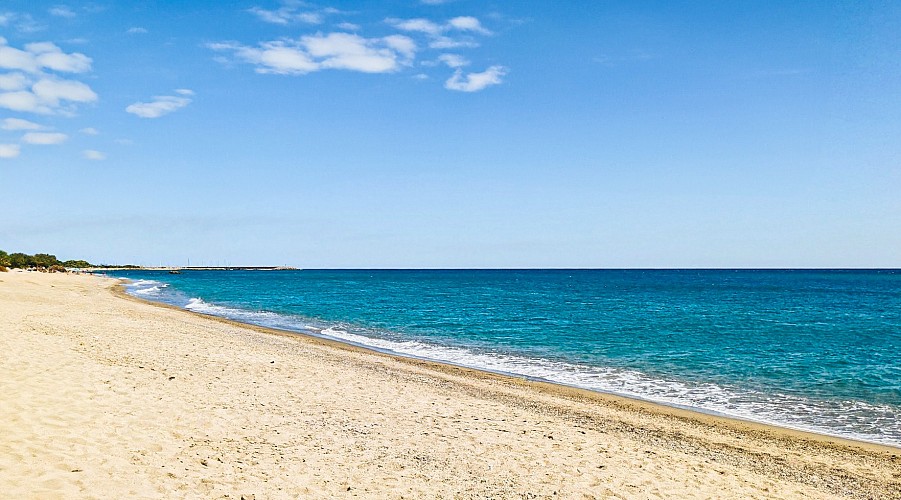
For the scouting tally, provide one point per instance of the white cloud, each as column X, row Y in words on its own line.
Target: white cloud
column 34, row 67
column 48, row 96
column 52, row 57
column 460, row 23
column 467, row 23
column 438, row 34
column 42, row 55
column 13, row 58
column 61, row 11
column 44, row 138
column 474, row 82
column 89, row 131
column 52, row 91
column 19, row 124
column 279, row 57
column 23, row 22
column 353, row 52
column 349, row 26
column 13, row 81
column 137, row 30
column 453, row 60
column 91, row 154
column 435, row 2
column 445, row 42
column 286, row 15
column 403, row 45
column 23, row 100
column 420, row 25
column 160, row 105
column 332, row 51
column 9, row 150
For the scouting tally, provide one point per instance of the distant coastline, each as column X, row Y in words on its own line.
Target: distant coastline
column 193, row 268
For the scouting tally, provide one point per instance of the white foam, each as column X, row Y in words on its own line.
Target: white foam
column 146, row 287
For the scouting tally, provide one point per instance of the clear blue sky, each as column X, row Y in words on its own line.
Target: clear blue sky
column 453, row 133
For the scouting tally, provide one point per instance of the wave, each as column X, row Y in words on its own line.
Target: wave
column 842, row 418
column 146, row 287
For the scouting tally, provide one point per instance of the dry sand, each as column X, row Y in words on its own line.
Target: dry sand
column 103, row 396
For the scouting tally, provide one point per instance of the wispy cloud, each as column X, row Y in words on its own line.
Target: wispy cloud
column 23, row 23
column 325, row 51
column 161, row 105
column 288, row 14
column 89, row 131
column 9, row 150
column 42, row 56
column 137, row 30
column 467, row 23
column 44, row 138
column 61, row 11
column 20, row 124
column 453, row 60
column 473, row 82
column 93, row 154
column 461, row 27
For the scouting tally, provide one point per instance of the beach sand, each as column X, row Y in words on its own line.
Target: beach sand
column 104, row 396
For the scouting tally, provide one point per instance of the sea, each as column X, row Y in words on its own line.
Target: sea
column 815, row 350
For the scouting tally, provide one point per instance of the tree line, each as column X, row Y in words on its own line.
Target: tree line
column 20, row 260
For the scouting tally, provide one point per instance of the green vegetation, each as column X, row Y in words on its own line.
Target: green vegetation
column 38, row 261
column 80, row 264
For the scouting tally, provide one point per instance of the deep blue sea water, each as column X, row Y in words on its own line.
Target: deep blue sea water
column 807, row 349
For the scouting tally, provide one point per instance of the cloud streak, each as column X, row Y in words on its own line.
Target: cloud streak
column 9, row 150
column 439, row 34
column 19, row 124
column 286, row 15
column 473, row 82
column 345, row 51
column 161, row 105
column 44, row 138
column 92, row 154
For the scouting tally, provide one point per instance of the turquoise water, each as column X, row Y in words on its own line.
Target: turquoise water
column 814, row 350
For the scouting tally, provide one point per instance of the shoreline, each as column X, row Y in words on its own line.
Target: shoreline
column 540, row 384
column 101, row 396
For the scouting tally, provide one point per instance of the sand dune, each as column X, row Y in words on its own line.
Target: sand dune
column 103, row 396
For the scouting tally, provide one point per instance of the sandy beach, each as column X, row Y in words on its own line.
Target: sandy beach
column 105, row 396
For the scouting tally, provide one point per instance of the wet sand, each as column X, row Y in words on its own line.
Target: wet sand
column 105, row 396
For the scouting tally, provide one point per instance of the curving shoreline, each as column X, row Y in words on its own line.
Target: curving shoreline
column 317, row 412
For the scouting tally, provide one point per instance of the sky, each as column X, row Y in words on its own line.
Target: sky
column 452, row 133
